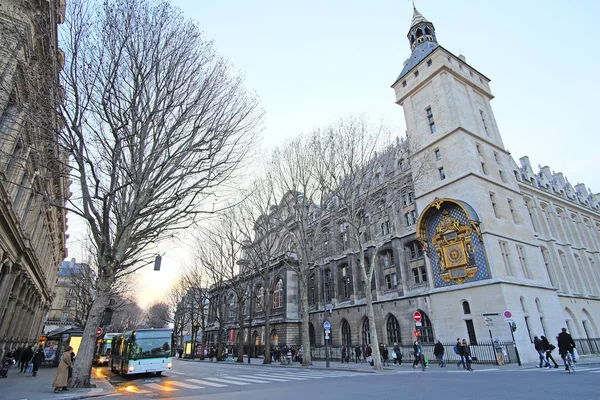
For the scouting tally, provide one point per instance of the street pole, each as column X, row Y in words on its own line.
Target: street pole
column 515, row 343
column 326, row 351
column 489, row 323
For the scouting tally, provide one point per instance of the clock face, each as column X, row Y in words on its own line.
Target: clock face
column 454, row 254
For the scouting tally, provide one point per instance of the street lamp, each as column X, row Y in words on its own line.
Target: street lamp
column 195, row 327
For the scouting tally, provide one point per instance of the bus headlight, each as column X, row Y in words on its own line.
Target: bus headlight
column 100, row 360
column 169, row 365
column 131, row 368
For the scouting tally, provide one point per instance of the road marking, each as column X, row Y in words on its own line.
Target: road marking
column 175, row 372
column 251, row 379
column 136, row 390
column 267, row 378
column 586, row 369
column 207, row 383
column 184, row 385
column 160, row 387
column 282, row 376
column 487, row 369
column 307, row 375
column 232, row 382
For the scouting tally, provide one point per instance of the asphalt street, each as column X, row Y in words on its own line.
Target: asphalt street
column 200, row 380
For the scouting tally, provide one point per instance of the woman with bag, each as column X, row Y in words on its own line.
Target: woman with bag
column 548, row 347
column 417, row 354
column 466, row 352
column 62, row 373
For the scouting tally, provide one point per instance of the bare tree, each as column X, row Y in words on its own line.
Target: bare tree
column 194, row 282
column 158, row 315
column 176, row 299
column 154, row 124
column 127, row 316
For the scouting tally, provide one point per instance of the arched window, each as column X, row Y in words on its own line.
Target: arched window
column 426, row 329
column 311, row 334
column 566, row 270
column 393, row 330
column 278, row 294
column 466, row 307
column 345, row 282
column 366, row 332
column 346, row 336
column 260, row 298
column 551, row 273
column 582, row 274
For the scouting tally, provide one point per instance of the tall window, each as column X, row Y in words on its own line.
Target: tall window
column 471, row 331
column 549, row 268
column 442, row 173
column 366, row 332
column 506, row 258
column 530, row 212
column 260, row 298
column 513, row 213
column 483, row 168
column 345, row 284
column 582, row 274
column 231, row 307
column 430, row 120
column 311, row 334
column 426, row 329
column 494, row 206
column 278, row 294
column 466, row 308
column 483, row 121
column 328, row 285
column 346, row 336
column 312, row 290
column 389, row 270
column 393, row 330
column 415, row 250
column 567, row 271
column 344, row 236
column 385, row 228
column 523, row 261
column 438, row 155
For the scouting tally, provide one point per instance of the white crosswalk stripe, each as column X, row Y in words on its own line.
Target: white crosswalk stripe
column 160, row 387
column 268, row 378
column 184, row 385
column 282, row 376
column 207, row 383
column 176, row 373
column 251, row 379
column 229, row 380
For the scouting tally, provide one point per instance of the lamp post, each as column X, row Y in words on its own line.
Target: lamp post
column 195, row 327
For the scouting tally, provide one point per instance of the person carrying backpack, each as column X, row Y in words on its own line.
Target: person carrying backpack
column 457, row 348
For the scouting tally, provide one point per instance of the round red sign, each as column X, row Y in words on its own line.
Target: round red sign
column 417, row 316
column 99, row 332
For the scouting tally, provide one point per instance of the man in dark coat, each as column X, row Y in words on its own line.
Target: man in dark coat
column 26, row 357
column 357, row 353
column 438, row 352
column 38, row 359
column 566, row 344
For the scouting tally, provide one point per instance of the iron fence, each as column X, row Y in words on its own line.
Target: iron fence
column 587, row 346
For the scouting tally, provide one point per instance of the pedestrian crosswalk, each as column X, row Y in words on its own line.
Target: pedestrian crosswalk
column 179, row 382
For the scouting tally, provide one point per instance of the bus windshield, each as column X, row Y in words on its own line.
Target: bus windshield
column 150, row 348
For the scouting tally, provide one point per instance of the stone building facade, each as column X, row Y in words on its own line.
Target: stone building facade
column 477, row 234
column 32, row 231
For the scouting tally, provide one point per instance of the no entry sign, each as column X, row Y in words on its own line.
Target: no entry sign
column 417, row 316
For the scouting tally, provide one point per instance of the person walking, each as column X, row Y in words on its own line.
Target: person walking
column 548, row 347
column 438, row 352
column 499, row 352
column 369, row 354
column 397, row 354
column 26, row 357
column 38, row 358
column 566, row 344
column 385, row 354
column 466, row 352
column 344, row 352
column 417, row 353
column 17, row 355
column 357, row 354
column 62, row 373
column 539, row 347
column 458, row 351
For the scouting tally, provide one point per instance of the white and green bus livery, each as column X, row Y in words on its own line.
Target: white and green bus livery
column 141, row 351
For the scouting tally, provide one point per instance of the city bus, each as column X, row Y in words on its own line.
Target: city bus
column 103, row 349
column 142, row 350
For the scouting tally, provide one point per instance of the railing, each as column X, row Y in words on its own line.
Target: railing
column 587, row 346
column 482, row 353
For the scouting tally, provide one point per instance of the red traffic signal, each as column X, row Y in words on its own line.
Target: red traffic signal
column 416, row 333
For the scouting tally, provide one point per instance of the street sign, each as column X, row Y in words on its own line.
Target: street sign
column 326, row 325
column 417, row 316
column 418, row 324
column 327, row 331
column 509, row 320
column 99, row 332
column 507, row 314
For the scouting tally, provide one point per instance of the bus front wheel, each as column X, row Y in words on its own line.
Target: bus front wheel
column 159, row 373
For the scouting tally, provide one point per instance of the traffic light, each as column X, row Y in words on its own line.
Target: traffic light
column 513, row 326
column 416, row 333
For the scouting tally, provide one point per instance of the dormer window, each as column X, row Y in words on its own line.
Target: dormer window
column 416, row 73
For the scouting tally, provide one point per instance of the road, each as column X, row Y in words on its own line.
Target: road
column 200, row 380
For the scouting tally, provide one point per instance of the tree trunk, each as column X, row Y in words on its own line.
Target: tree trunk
column 83, row 362
column 304, row 326
column 240, row 334
column 373, row 328
column 267, row 310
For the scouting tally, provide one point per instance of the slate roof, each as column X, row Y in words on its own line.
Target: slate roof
column 419, row 53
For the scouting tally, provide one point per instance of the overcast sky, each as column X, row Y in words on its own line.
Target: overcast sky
column 312, row 62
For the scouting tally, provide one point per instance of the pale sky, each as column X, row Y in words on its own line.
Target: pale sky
column 312, row 62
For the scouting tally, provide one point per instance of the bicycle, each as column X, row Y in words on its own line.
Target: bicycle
column 568, row 358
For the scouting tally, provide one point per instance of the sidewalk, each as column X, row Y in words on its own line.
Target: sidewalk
column 21, row 386
column 366, row 368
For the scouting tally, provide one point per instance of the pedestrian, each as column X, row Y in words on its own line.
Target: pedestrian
column 548, row 347
column 499, row 352
column 458, row 351
column 369, row 354
column 344, row 351
column 397, row 354
column 357, row 354
column 26, row 357
column 539, row 347
column 38, row 358
column 385, row 354
column 566, row 344
column 17, row 355
column 466, row 352
column 438, row 352
column 62, row 373
column 417, row 354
